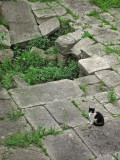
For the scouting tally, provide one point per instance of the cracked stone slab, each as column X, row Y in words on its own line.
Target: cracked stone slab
column 92, row 65
column 102, row 97
column 60, row 11
column 101, row 140
column 8, row 127
column 88, row 80
column 19, row 82
column 39, row 116
column 104, row 34
column 76, row 49
column 49, row 27
column 113, row 107
column 108, row 156
column 67, row 146
column 66, row 110
column 4, row 31
column 6, row 53
column 116, row 68
column 4, row 94
column 107, row 77
column 111, row 59
column 44, row 93
column 38, row 6
column 27, row 154
column 85, row 102
column 117, row 90
column 93, row 89
column 3, row 151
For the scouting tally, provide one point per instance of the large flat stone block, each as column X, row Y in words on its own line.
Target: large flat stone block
column 92, row 65
column 44, row 93
column 110, row 78
column 5, row 33
column 6, row 53
column 101, row 140
column 67, row 146
column 39, row 116
column 117, row 90
column 102, row 97
column 66, row 112
column 3, row 94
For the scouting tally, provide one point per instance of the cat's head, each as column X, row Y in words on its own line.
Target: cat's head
column 91, row 110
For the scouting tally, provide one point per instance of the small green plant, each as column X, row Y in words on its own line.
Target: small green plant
column 64, row 119
column 112, row 95
column 113, row 27
column 115, row 116
column 85, row 115
column 101, row 25
column 83, row 87
column 116, row 156
column 102, row 86
column 74, row 102
column 30, row 137
column 90, row 159
column 3, row 20
column 87, row 34
column 14, row 114
column 115, row 50
column 2, row 117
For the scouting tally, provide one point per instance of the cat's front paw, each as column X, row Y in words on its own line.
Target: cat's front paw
column 91, row 123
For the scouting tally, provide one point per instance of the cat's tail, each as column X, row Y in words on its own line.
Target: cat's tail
column 98, row 124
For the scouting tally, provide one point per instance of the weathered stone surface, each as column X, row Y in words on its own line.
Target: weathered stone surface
column 60, row 11
column 27, row 154
column 102, row 97
column 111, row 59
column 38, row 6
column 3, row 151
column 5, row 106
column 62, row 58
column 85, row 102
column 109, row 157
column 49, row 27
column 44, row 93
column 39, row 51
column 107, row 16
column 92, row 65
column 67, row 146
column 46, row 13
column 6, row 53
column 117, row 90
column 3, row 94
column 77, row 35
column 39, row 116
column 101, row 140
column 95, row 49
column 88, row 80
column 68, row 16
column 93, row 89
column 66, row 112
column 116, row 68
column 113, row 107
column 104, row 34
column 5, row 33
column 107, row 77
column 19, row 81
column 8, row 126
column 76, row 49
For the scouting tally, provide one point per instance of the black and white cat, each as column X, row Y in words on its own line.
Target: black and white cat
column 96, row 118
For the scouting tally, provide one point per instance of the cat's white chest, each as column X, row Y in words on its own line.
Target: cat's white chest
column 92, row 117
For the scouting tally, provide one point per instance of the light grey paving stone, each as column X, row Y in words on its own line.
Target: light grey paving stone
column 76, row 49
column 93, row 89
column 66, row 112
column 101, row 140
column 7, row 127
column 113, row 107
column 38, row 5
column 4, row 94
column 109, row 157
column 68, row 16
column 42, row 20
column 39, row 116
column 88, row 80
column 5, row 106
column 49, row 27
column 46, row 13
column 107, row 77
column 3, row 151
column 5, row 33
column 117, row 90
column 107, row 16
column 39, row 51
column 110, row 59
column 67, row 146
column 104, row 34
column 95, row 49
column 85, row 102
column 6, row 53
column 60, row 11
column 77, row 35
column 19, row 82
column 92, row 65
column 27, row 154
column 102, row 97
column 116, row 68
column 44, row 93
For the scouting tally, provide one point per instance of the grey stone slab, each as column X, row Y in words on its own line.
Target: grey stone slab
column 38, row 5
column 27, row 154
column 117, row 90
column 85, row 102
column 19, row 82
column 104, row 34
column 76, row 35
column 23, row 32
column 46, row 13
column 39, row 116
column 116, row 68
column 5, row 106
column 68, row 16
column 107, row 16
column 4, row 94
column 6, row 53
column 66, row 112
column 107, row 77
column 67, row 146
column 111, row 59
column 12, row 12
column 4, row 32
column 109, row 157
column 92, row 65
column 39, row 51
column 8, row 127
column 88, row 80
column 76, row 49
column 95, row 49
column 60, row 11
column 44, row 93
column 101, row 140
column 49, row 27
column 93, row 89
column 113, row 107
column 102, row 97
column 3, row 151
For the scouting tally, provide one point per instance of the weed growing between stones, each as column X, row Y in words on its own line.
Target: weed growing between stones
column 112, row 95
column 2, row 118
column 14, row 114
column 102, row 86
column 2, row 38
column 83, row 87
column 113, row 27
column 116, row 156
column 87, row 34
column 3, row 20
column 64, row 119
column 30, row 137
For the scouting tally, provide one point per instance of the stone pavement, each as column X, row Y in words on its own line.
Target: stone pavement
column 51, row 104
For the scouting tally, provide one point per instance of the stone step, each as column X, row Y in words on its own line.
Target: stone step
column 44, row 93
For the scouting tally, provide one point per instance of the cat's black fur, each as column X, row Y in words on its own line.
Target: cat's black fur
column 99, row 119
